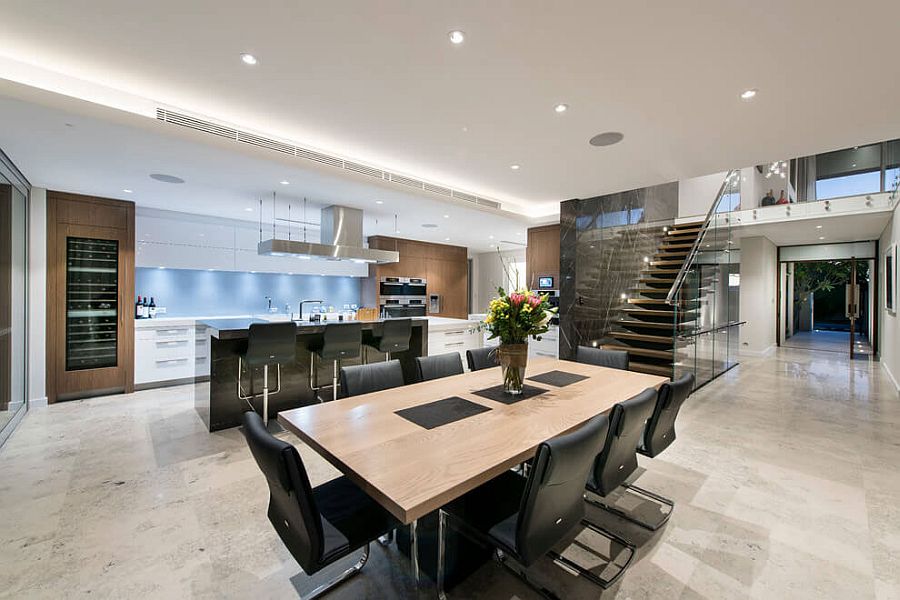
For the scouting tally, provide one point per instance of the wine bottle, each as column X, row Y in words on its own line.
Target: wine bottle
column 152, row 308
column 145, row 309
column 138, row 310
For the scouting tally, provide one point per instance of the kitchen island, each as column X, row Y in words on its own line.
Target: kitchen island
column 216, row 399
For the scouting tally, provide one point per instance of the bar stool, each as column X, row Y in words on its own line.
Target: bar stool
column 339, row 341
column 395, row 336
column 267, row 344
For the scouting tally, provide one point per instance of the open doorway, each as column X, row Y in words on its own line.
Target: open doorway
column 822, row 311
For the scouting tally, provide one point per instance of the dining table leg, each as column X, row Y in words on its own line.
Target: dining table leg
column 414, row 553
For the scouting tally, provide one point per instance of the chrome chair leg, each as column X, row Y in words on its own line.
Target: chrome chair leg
column 580, row 571
column 665, row 502
column 501, row 558
column 387, row 538
column 334, row 381
column 265, row 414
column 442, row 541
column 347, row 574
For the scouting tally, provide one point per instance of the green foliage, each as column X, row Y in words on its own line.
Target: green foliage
column 824, row 276
column 516, row 316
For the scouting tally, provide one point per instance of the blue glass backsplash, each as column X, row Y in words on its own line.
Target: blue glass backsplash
column 187, row 293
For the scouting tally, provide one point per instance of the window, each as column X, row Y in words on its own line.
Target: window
column 848, row 185
column 849, row 172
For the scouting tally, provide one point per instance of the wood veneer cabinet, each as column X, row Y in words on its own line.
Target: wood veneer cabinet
column 90, row 296
column 445, row 267
column 542, row 255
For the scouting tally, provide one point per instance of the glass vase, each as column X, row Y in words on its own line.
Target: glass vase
column 513, row 359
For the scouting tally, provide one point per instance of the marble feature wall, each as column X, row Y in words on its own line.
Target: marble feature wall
column 603, row 242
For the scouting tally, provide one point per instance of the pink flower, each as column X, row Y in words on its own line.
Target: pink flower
column 534, row 300
column 516, row 298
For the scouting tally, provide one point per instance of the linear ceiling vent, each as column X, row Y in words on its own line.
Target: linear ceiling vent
column 252, row 139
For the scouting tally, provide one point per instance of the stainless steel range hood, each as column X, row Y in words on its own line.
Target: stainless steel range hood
column 341, row 239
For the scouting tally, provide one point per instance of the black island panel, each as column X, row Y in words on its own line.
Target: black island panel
column 216, row 399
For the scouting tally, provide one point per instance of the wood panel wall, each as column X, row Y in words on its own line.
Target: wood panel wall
column 445, row 267
column 542, row 255
column 103, row 218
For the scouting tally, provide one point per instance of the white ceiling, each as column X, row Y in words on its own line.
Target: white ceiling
column 834, row 229
column 380, row 82
column 104, row 151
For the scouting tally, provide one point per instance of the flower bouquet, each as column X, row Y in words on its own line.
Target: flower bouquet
column 514, row 318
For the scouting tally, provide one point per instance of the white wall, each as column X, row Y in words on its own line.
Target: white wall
column 889, row 323
column 696, row 195
column 759, row 269
column 488, row 274
column 37, row 294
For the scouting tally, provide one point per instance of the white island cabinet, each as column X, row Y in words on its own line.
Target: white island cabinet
column 169, row 350
column 453, row 335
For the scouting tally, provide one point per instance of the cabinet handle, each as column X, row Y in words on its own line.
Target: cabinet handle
column 171, row 360
column 171, row 331
column 460, row 332
column 454, row 344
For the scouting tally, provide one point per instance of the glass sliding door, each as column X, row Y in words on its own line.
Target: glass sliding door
column 13, row 299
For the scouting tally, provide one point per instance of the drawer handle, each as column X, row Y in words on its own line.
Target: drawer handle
column 172, row 331
column 460, row 332
column 171, row 360
column 172, row 343
column 454, row 344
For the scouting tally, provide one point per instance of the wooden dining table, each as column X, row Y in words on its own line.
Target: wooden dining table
column 412, row 470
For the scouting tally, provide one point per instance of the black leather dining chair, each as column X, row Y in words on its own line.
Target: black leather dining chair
column 482, row 358
column 659, row 432
column 657, row 435
column 440, row 365
column 364, row 379
column 618, row 459
column 614, row 359
column 525, row 517
column 318, row 525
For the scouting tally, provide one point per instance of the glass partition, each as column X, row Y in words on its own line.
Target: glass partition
column 13, row 268
column 706, row 292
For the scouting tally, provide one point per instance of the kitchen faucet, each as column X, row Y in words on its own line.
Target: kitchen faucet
column 300, row 307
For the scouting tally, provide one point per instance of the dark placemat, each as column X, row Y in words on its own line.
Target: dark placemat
column 558, row 378
column 498, row 394
column 441, row 412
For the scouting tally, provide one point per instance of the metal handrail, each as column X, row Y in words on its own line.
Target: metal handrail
column 679, row 279
column 712, row 329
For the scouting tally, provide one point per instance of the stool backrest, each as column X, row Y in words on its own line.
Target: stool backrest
column 395, row 335
column 271, row 344
column 341, row 340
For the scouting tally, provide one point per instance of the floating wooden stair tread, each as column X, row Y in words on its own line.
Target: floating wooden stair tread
column 685, row 231
column 647, row 301
column 650, row 369
column 648, row 312
column 653, row 263
column 642, row 337
column 684, row 245
column 657, row 280
column 663, row 354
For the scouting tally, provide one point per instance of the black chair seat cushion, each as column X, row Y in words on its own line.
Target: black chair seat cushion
column 350, row 517
column 492, row 509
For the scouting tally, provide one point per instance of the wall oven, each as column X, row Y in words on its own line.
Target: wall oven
column 402, row 287
column 402, row 297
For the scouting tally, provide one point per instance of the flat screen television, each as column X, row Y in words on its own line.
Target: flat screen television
column 545, row 283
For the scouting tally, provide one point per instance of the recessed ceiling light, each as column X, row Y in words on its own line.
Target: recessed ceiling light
column 748, row 94
column 446, row 239
column 492, row 246
column 821, row 237
column 607, row 138
column 446, row 216
column 248, row 209
column 379, row 202
column 248, row 59
column 490, row 237
column 515, row 167
column 127, row 191
column 818, row 227
column 166, row 178
column 457, row 37
column 561, row 108
column 284, row 182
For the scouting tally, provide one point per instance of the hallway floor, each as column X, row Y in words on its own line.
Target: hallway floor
column 784, row 475
column 829, row 341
